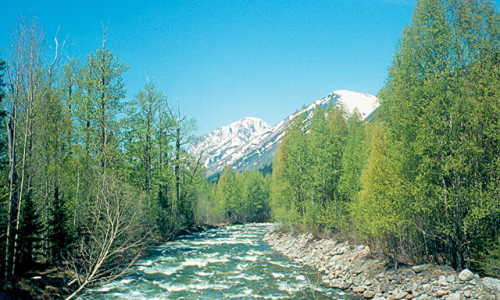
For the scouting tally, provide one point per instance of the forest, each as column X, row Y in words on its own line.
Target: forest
column 420, row 181
column 91, row 178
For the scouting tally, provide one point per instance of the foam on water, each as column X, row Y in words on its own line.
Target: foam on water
column 247, row 258
column 231, row 262
column 204, row 273
column 195, row 262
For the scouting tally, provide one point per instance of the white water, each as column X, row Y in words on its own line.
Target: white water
column 227, row 263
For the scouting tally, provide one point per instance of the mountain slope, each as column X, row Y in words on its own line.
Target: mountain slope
column 251, row 144
column 223, row 144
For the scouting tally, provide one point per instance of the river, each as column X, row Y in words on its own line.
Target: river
column 226, row 263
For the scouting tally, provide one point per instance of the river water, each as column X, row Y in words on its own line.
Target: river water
column 227, row 263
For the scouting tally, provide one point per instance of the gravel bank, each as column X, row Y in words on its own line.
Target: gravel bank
column 357, row 269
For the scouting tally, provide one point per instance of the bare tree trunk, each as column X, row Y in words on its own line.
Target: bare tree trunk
column 13, row 197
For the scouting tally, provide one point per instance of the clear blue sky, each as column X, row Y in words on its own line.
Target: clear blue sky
column 225, row 60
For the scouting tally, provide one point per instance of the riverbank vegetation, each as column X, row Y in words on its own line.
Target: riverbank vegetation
column 236, row 198
column 89, row 177
column 421, row 181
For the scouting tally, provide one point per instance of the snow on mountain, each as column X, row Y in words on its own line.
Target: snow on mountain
column 221, row 145
column 251, row 144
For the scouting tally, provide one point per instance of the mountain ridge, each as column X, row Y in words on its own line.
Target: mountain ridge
column 251, row 143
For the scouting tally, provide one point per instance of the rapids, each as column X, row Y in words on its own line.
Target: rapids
column 227, row 263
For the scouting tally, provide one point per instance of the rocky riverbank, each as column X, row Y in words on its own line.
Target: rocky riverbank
column 368, row 275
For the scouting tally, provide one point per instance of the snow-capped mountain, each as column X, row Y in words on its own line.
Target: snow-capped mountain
column 250, row 143
column 223, row 145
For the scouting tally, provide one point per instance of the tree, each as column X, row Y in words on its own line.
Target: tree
column 227, row 195
column 32, row 230
column 438, row 126
column 28, row 81
column 182, row 132
column 59, row 231
column 115, row 235
column 377, row 210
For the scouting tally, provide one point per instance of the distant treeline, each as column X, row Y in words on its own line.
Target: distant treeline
column 422, row 181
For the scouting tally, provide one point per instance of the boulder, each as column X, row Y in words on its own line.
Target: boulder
column 466, row 275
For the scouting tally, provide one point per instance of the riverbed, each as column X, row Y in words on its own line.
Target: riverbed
column 223, row 263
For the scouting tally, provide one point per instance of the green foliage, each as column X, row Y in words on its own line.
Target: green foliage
column 434, row 113
column 236, row 198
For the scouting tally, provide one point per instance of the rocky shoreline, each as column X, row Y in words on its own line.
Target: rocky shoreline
column 367, row 274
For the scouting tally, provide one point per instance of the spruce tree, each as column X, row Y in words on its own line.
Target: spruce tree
column 32, row 230
column 59, row 231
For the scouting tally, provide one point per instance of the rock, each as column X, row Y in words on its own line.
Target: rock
column 347, row 284
column 368, row 294
column 454, row 297
column 336, row 284
column 408, row 273
column 400, row 295
column 440, row 293
column 420, row 268
column 391, row 297
column 394, row 277
column 491, row 283
column 409, row 296
column 423, row 297
column 359, row 289
column 414, row 287
column 466, row 275
column 425, row 280
column 467, row 293
column 442, row 280
column 450, row 278
column 367, row 282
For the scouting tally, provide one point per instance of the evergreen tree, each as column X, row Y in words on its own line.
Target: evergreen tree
column 59, row 231
column 32, row 229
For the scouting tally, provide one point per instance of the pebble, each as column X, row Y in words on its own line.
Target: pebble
column 368, row 294
column 454, row 297
column 440, row 293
